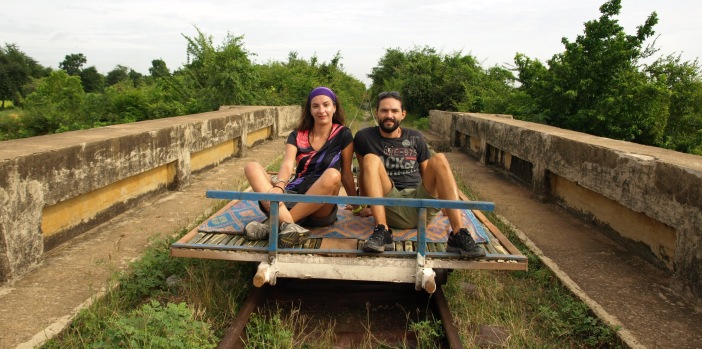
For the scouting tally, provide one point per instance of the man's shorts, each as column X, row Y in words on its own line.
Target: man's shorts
column 403, row 217
column 308, row 221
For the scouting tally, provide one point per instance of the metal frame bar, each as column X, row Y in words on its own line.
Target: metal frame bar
column 354, row 200
column 275, row 260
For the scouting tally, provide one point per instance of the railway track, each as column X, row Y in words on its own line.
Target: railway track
column 360, row 313
column 330, row 283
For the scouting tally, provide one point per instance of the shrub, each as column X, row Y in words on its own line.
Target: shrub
column 155, row 326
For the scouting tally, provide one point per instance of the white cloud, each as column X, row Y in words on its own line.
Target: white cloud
column 132, row 33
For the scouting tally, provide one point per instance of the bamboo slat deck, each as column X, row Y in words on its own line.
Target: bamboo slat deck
column 500, row 253
column 418, row 262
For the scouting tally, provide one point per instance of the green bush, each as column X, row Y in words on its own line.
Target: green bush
column 422, row 124
column 10, row 125
column 155, row 326
column 268, row 333
column 428, row 333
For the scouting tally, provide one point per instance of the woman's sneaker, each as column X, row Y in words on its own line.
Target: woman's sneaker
column 380, row 240
column 292, row 234
column 463, row 243
column 257, row 230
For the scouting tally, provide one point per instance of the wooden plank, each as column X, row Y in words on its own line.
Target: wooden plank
column 226, row 239
column 189, row 236
column 237, row 240
column 205, row 238
column 223, row 255
column 503, row 239
column 309, row 243
column 490, row 248
column 337, row 244
column 216, row 239
column 194, row 238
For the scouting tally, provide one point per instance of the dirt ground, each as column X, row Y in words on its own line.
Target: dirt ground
column 620, row 287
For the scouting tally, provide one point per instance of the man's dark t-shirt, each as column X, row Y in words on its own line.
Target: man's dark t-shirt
column 401, row 156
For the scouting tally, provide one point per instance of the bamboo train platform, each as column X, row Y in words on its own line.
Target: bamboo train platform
column 418, row 258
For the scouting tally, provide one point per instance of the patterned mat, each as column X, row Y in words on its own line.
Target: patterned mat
column 232, row 218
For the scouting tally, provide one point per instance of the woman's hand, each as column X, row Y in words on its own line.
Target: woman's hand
column 273, row 190
column 365, row 212
column 359, row 210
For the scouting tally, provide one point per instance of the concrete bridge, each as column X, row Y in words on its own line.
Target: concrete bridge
column 55, row 188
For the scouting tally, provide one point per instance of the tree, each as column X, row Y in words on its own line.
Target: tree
column 683, row 131
column 159, row 69
column 218, row 76
column 56, row 105
column 92, row 80
column 72, row 63
column 16, row 70
column 116, row 75
column 595, row 85
column 135, row 77
column 431, row 80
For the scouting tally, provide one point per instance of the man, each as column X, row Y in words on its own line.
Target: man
column 395, row 162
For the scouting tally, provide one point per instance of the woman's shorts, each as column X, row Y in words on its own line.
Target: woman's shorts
column 308, row 221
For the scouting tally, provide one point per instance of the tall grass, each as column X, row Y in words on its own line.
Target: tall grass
column 166, row 302
column 532, row 306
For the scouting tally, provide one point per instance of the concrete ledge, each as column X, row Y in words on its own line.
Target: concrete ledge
column 57, row 186
column 649, row 198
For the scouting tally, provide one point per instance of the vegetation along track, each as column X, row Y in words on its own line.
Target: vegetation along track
column 347, row 314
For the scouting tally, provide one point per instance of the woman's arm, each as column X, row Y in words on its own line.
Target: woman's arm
column 287, row 166
column 363, row 211
column 346, row 173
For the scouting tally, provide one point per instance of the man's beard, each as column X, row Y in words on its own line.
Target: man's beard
column 391, row 129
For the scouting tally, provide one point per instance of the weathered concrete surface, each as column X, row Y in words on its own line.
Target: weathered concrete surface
column 43, row 301
column 39, row 174
column 622, row 288
column 661, row 184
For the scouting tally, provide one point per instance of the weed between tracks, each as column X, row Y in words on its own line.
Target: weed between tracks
column 166, row 302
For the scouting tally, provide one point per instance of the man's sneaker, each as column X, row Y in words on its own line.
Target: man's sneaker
column 380, row 240
column 257, row 230
column 463, row 242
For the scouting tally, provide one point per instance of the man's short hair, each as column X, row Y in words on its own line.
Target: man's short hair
column 389, row 94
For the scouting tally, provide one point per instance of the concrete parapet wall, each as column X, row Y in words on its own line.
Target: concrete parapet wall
column 647, row 197
column 57, row 186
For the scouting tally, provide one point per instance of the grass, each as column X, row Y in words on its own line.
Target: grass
column 166, row 302
column 10, row 123
column 534, row 308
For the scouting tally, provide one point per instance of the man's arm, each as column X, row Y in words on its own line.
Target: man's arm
column 423, row 167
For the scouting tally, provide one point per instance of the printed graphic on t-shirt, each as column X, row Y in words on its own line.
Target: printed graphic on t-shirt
column 401, row 160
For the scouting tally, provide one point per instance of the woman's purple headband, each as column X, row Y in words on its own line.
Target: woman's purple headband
column 319, row 91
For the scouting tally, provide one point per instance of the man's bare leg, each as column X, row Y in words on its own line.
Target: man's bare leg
column 439, row 181
column 376, row 183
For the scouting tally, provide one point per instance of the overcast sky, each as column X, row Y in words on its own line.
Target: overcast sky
column 134, row 32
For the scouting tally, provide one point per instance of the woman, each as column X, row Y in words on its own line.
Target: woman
column 322, row 147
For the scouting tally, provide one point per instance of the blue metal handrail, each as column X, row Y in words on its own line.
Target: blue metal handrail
column 422, row 204
column 353, row 200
